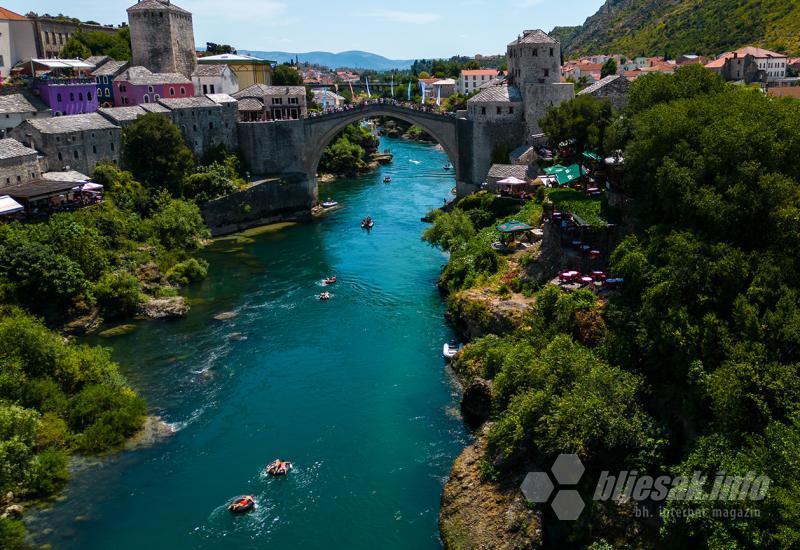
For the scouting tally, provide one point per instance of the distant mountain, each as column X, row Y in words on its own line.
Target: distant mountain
column 655, row 27
column 352, row 59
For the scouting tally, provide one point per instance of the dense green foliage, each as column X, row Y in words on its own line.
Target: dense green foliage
column 706, row 27
column 693, row 365
column 73, row 261
column 83, row 44
column 350, row 152
column 154, row 151
column 55, row 397
column 286, row 75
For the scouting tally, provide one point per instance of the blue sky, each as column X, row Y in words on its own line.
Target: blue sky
column 399, row 30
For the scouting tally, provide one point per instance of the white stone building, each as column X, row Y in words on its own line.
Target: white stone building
column 17, row 40
column 470, row 80
column 214, row 79
column 16, row 109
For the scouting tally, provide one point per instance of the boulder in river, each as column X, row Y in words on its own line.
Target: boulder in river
column 225, row 316
column 172, row 307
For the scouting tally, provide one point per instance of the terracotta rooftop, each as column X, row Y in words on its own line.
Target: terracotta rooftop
column 8, row 15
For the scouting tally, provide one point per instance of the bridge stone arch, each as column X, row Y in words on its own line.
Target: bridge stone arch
column 320, row 131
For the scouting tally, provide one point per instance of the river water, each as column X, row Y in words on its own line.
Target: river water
column 353, row 391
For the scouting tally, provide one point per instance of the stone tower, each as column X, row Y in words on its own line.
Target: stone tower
column 534, row 66
column 162, row 37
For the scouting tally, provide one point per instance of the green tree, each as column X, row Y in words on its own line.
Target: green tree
column 75, row 48
column 213, row 48
column 153, row 149
column 584, row 120
column 609, row 68
column 286, row 75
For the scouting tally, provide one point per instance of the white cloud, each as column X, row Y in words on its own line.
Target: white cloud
column 414, row 18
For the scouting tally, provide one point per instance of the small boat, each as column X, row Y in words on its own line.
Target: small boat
column 448, row 166
column 387, row 179
column 367, row 223
column 329, row 280
column 279, row 467
column 325, row 296
column 450, row 349
column 241, row 505
column 329, row 204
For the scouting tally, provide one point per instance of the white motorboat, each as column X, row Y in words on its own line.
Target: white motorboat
column 329, row 204
column 450, row 349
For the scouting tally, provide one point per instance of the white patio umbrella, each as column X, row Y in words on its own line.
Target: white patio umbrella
column 512, row 181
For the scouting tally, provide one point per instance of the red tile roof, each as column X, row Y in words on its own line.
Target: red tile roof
column 479, row 72
column 8, row 15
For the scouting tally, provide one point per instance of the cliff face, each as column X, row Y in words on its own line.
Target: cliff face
column 710, row 27
column 480, row 515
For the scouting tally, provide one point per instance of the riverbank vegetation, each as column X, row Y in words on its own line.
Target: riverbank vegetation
column 692, row 365
column 350, row 153
column 75, row 270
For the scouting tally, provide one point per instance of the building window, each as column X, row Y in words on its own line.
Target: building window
column 511, row 110
column 88, row 96
column 183, row 91
column 483, row 110
column 112, row 145
column 60, row 156
column 172, row 91
column 156, row 97
column 75, row 154
column 147, row 98
column 552, row 51
column 58, row 98
column 94, row 149
column 535, row 52
column 499, row 111
column 105, row 80
column 205, row 89
column 108, row 92
column 212, row 89
column 150, row 89
column 547, row 72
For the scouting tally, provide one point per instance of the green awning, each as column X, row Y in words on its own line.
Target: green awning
column 554, row 169
column 568, row 175
column 591, row 155
column 513, row 226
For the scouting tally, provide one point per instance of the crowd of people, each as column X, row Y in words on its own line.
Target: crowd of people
column 410, row 105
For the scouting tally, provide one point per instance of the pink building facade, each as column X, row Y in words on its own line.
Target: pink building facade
column 137, row 85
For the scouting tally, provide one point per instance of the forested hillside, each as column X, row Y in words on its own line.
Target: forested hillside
column 656, row 27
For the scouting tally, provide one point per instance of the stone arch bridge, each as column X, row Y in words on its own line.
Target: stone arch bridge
column 291, row 150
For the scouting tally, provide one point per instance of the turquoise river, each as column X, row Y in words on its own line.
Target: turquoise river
column 354, row 391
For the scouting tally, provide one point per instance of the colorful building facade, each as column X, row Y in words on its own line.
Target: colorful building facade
column 137, row 85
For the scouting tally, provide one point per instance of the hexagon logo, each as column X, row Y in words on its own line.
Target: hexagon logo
column 568, row 469
column 568, row 505
column 537, row 487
